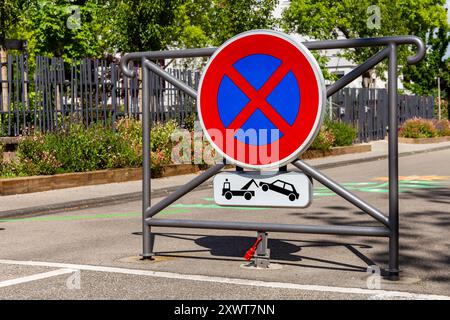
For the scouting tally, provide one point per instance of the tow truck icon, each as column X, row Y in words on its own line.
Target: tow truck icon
column 243, row 192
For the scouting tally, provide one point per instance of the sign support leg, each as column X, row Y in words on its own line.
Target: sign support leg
column 262, row 256
column 393, row 271
column 147, row 236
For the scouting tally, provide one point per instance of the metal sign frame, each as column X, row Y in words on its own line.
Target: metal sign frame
column 389, row 224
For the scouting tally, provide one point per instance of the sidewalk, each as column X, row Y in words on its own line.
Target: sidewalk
column 97, row 195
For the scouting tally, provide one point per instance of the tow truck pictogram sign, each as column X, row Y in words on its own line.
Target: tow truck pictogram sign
column 271, row 189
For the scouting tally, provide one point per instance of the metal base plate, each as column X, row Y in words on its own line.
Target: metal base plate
column 252, row 266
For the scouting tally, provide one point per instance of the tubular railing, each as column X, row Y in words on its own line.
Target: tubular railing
column 389, row 224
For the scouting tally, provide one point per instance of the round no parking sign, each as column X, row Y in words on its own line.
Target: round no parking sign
column 261, row 99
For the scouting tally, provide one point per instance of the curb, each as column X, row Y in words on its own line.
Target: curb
column 423, row 140
column 135, row 196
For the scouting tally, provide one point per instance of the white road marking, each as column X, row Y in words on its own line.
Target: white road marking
column 35, row 277
column 384, row 294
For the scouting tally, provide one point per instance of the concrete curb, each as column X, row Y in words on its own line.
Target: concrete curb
column 423, row 140
column 135, row 196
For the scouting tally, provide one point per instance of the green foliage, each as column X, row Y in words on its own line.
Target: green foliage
column 52, row 27
column 417, row 128
column 74, row 150
column 11, row 15
column 442, row 127
column 142, row 25
column 78, row 149
column 231, row 17
column 324, row 140
column 9, row 169
column 334, row 134
column 325, row 19
column 131, row 131
column 344, row 134
column 161, row 142
column 36, row 157
column 66, row 29
column 189, row 122
column 422, row 78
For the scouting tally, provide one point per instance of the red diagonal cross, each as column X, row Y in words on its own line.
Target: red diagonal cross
column 258, row 98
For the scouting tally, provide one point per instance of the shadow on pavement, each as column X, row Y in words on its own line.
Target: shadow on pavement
column 233, row 248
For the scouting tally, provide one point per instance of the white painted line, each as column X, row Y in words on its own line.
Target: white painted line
column 35, row 277
column 385, row 294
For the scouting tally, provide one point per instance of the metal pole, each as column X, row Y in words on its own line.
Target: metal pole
column 439, row 96
column 171, row 79
column 272, row 227
column 393, row 164
column 358, row 71
column 148, row 237
column 344, row 193
column 330, row 101
column 191, row 185
column 262, row 255
column 313, row 45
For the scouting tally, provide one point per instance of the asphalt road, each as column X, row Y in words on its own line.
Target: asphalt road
column 93, row 253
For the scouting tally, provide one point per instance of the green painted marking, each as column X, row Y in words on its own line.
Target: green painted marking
column 377, row 187
column 324, row 194
column 358, row 183
column 374, row 190
column 413, row 186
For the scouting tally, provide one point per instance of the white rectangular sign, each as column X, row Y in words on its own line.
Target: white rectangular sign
column 267, row 189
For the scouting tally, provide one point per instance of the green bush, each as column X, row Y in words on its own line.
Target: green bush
column 189, row 122
column 77, row 149
column 344, row 134
column 36, row 157
column 442, row 127
column 417, row 128
column 9, row 170
column 324, row 140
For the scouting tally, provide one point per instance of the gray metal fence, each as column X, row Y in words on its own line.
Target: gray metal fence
column 89, row 91
column 367, row 110
column 86, row 91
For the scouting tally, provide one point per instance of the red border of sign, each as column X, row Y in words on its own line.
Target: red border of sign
column 312, row 97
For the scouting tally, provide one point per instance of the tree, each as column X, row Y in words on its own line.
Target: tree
column 325, row 19
column 68, row 29
column 421, row 78
column 142, row 25
column 159, row 24
column 11, row 13
column 230, row 17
